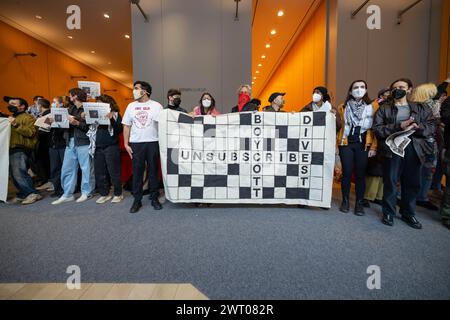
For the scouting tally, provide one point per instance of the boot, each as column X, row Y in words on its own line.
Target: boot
column 345, row 206
column 359, row 208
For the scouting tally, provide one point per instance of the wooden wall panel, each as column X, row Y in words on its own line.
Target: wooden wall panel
column 48, row 74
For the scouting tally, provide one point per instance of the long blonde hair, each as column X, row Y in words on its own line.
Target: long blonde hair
column 424, row 92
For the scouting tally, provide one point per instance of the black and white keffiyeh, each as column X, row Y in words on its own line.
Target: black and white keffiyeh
column 357, row 114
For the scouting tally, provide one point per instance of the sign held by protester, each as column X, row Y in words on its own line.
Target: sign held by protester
column 97, row 112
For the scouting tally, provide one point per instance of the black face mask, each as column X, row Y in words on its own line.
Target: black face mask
column 177, row 102
column 13, row 109
column 398, row 94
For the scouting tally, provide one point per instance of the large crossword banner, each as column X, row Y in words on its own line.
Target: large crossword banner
column 256, row 157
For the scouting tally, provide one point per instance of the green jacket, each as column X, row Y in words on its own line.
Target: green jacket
column 24, row 134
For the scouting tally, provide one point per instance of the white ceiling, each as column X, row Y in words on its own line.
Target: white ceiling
column 106, row 37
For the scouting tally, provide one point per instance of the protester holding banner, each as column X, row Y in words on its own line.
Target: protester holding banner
column 395, row 116
column 174, row 100
column 356, row 142
column 276, row 101
column 140, row 134
column 321, row 101
column 77, row 152
column 207, row 106
column 245, row 101
column 57, row 147
column 22, row 143
column 107, row 154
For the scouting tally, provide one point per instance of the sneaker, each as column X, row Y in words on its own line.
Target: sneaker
column 44, row 186
column 63, row 200
column 50, row 189
column 32, row 198
column 117, row 199
column 102, row 199
column 83, row 198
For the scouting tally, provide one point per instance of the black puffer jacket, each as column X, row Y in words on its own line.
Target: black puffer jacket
column 385, row 124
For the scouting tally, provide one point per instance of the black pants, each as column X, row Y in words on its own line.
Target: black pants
column 145, row 154
column 407, row 170
column 43, row 170
column 106, row 167
column 353, row 156
column 56, row 157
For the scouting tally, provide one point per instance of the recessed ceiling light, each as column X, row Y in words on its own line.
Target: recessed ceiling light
column 123, row 71
column 253, row 82
column 257, row 71
column 254, row 78
column 70, row 37
column 127, row 36
column 92, row 51
column 106, row 15
column 280, row 13
column 109, row 62
column 260, row 65
column 263, row 57
column 38, row 17
column 267, row 46
column 273, row 32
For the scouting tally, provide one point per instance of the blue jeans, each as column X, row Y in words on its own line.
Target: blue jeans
column 426, row 178
column 69, row 172
column 18, row 167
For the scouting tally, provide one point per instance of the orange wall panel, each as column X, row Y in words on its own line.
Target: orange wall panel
column 48, row 74
column 303, row 67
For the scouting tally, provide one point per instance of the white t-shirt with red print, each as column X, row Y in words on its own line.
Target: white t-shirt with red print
column 143, row 119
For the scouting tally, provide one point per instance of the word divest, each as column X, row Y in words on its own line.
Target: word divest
column 259, row 157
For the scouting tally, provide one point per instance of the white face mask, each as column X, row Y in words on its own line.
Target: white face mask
column 316, row 97
column 359, row 93
column 137, row 94
column 206, row 103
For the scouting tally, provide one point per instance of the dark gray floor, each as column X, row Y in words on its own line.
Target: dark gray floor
column 237, row 252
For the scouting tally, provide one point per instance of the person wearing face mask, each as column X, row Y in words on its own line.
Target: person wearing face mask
column 76, row 152
column 23, row 141
column 245, row 101
column 207, row 106
column 57, row 147
column 400, row 114
column 356, row 142
column 34, row 109
column 174, row 100
column 321, row 101
column 276, row 101
column 140, row 134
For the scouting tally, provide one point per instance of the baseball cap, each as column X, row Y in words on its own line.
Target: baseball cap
column 22, row 100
